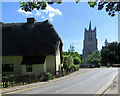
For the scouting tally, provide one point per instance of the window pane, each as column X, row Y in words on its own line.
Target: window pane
column 29, row 68
column 7, row 67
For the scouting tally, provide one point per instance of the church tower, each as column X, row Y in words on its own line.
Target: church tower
column 90, row 41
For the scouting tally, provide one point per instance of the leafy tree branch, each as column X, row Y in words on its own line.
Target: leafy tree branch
column 111, row 6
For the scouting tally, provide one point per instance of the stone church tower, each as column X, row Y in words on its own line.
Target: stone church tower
column 90, row 41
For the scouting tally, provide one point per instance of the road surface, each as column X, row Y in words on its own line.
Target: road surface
column 88, row 83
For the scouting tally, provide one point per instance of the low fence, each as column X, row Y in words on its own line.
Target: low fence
column 19, row 80
column 9, row 81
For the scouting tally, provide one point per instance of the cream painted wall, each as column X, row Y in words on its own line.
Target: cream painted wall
column 16, row 61
column 58, row 59
column 50, row 63
column 36, row 69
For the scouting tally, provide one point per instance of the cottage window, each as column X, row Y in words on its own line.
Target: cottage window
column 7, row 67
column 29, row 68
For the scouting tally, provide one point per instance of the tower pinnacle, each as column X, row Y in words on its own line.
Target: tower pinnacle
column 90, row 26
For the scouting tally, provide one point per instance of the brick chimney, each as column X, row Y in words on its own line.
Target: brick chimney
column 31, row 20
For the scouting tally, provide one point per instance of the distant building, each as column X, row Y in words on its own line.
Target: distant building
column 30, row 48
column 106, row 42
column 90, row 41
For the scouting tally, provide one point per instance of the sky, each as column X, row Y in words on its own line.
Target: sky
column 69, row 20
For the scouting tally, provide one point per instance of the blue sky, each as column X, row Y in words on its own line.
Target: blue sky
column 69, row 20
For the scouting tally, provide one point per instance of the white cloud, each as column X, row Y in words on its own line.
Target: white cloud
column 51, row 19
column 24, row 12
column 38, row 13
column 42, row 17
column 51, row 15
column 50, row 11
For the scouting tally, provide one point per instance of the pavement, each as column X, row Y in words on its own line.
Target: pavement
column 114, row 88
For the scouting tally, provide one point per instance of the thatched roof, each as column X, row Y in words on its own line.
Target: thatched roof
column 29, row 39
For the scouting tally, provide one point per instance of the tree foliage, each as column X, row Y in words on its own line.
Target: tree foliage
column 94, row 59
column 111, row 7
column 68, row 62
column 71, row 50
column 37, row 4
column 105, row 56
column 111, row 53
column 76, row 56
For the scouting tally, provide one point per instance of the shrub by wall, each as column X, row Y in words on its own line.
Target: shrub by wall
column 76, row 60
column 77, row 67
column 46, row 76
column 68, row 62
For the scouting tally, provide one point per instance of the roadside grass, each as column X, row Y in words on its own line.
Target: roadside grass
column 103, row 66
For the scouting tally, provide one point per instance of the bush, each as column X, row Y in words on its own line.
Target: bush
column 77, row 67
column 63, row 58
column 46, row 76
column 68, row 62
column 76, row 61
column 63, row 73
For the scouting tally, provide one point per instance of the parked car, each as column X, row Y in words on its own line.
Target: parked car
column 115, row 65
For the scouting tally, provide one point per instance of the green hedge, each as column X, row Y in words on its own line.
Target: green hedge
column 68, row 62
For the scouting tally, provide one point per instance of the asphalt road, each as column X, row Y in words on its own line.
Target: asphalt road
column 88, row 83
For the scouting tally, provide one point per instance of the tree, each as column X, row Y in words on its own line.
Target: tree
column 68, row 62
column 37, row 4
column 111, row 7
column 111, row 53
column 82, row 61
column 65, row 53
column 75, row 55
column 105, row 56
column 94, row 59
column 113, row 47
column 71, row 50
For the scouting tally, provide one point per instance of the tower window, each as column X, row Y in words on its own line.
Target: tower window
column 90, row 37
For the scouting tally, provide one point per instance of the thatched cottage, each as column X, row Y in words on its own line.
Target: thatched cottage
column 30, row 48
